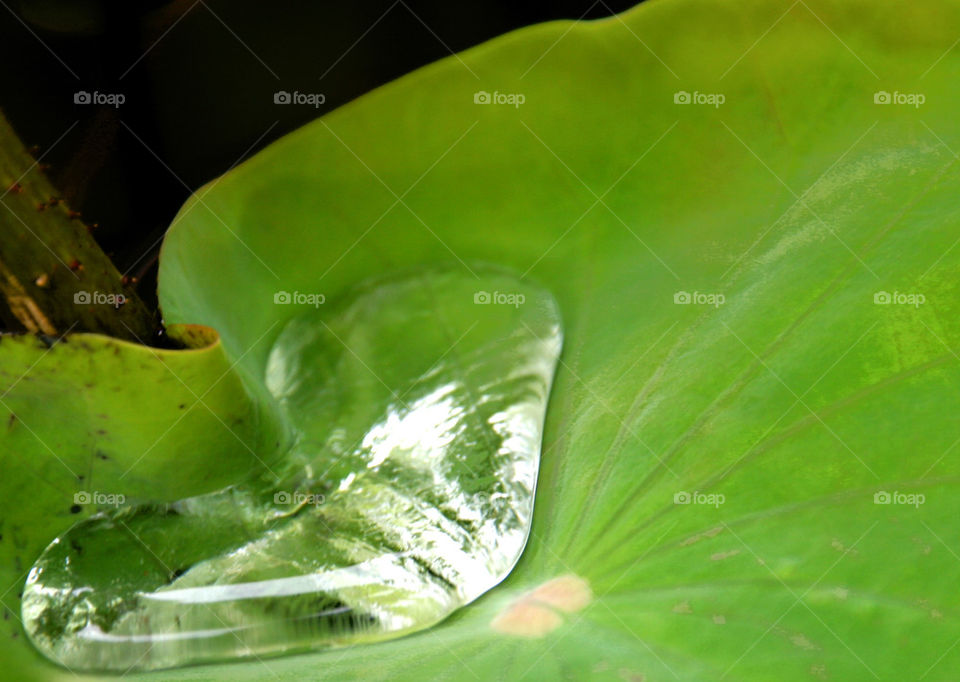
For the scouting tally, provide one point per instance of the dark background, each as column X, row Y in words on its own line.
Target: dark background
column 198, row 78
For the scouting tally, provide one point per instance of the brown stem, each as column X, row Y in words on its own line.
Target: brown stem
column 54, row 277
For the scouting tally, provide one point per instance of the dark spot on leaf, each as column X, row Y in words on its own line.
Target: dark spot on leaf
column 75, row 509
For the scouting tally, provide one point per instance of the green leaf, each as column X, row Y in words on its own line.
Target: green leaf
column 110, row 416
column 799, row 398
column 90, row 422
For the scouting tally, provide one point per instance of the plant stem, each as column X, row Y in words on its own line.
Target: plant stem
column 54, row 277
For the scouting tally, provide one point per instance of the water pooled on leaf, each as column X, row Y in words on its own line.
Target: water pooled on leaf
column 418, row 405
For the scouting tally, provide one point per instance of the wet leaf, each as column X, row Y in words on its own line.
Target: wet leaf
column 749, row 459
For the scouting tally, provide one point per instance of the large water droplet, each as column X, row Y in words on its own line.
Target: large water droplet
column 418, row 404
